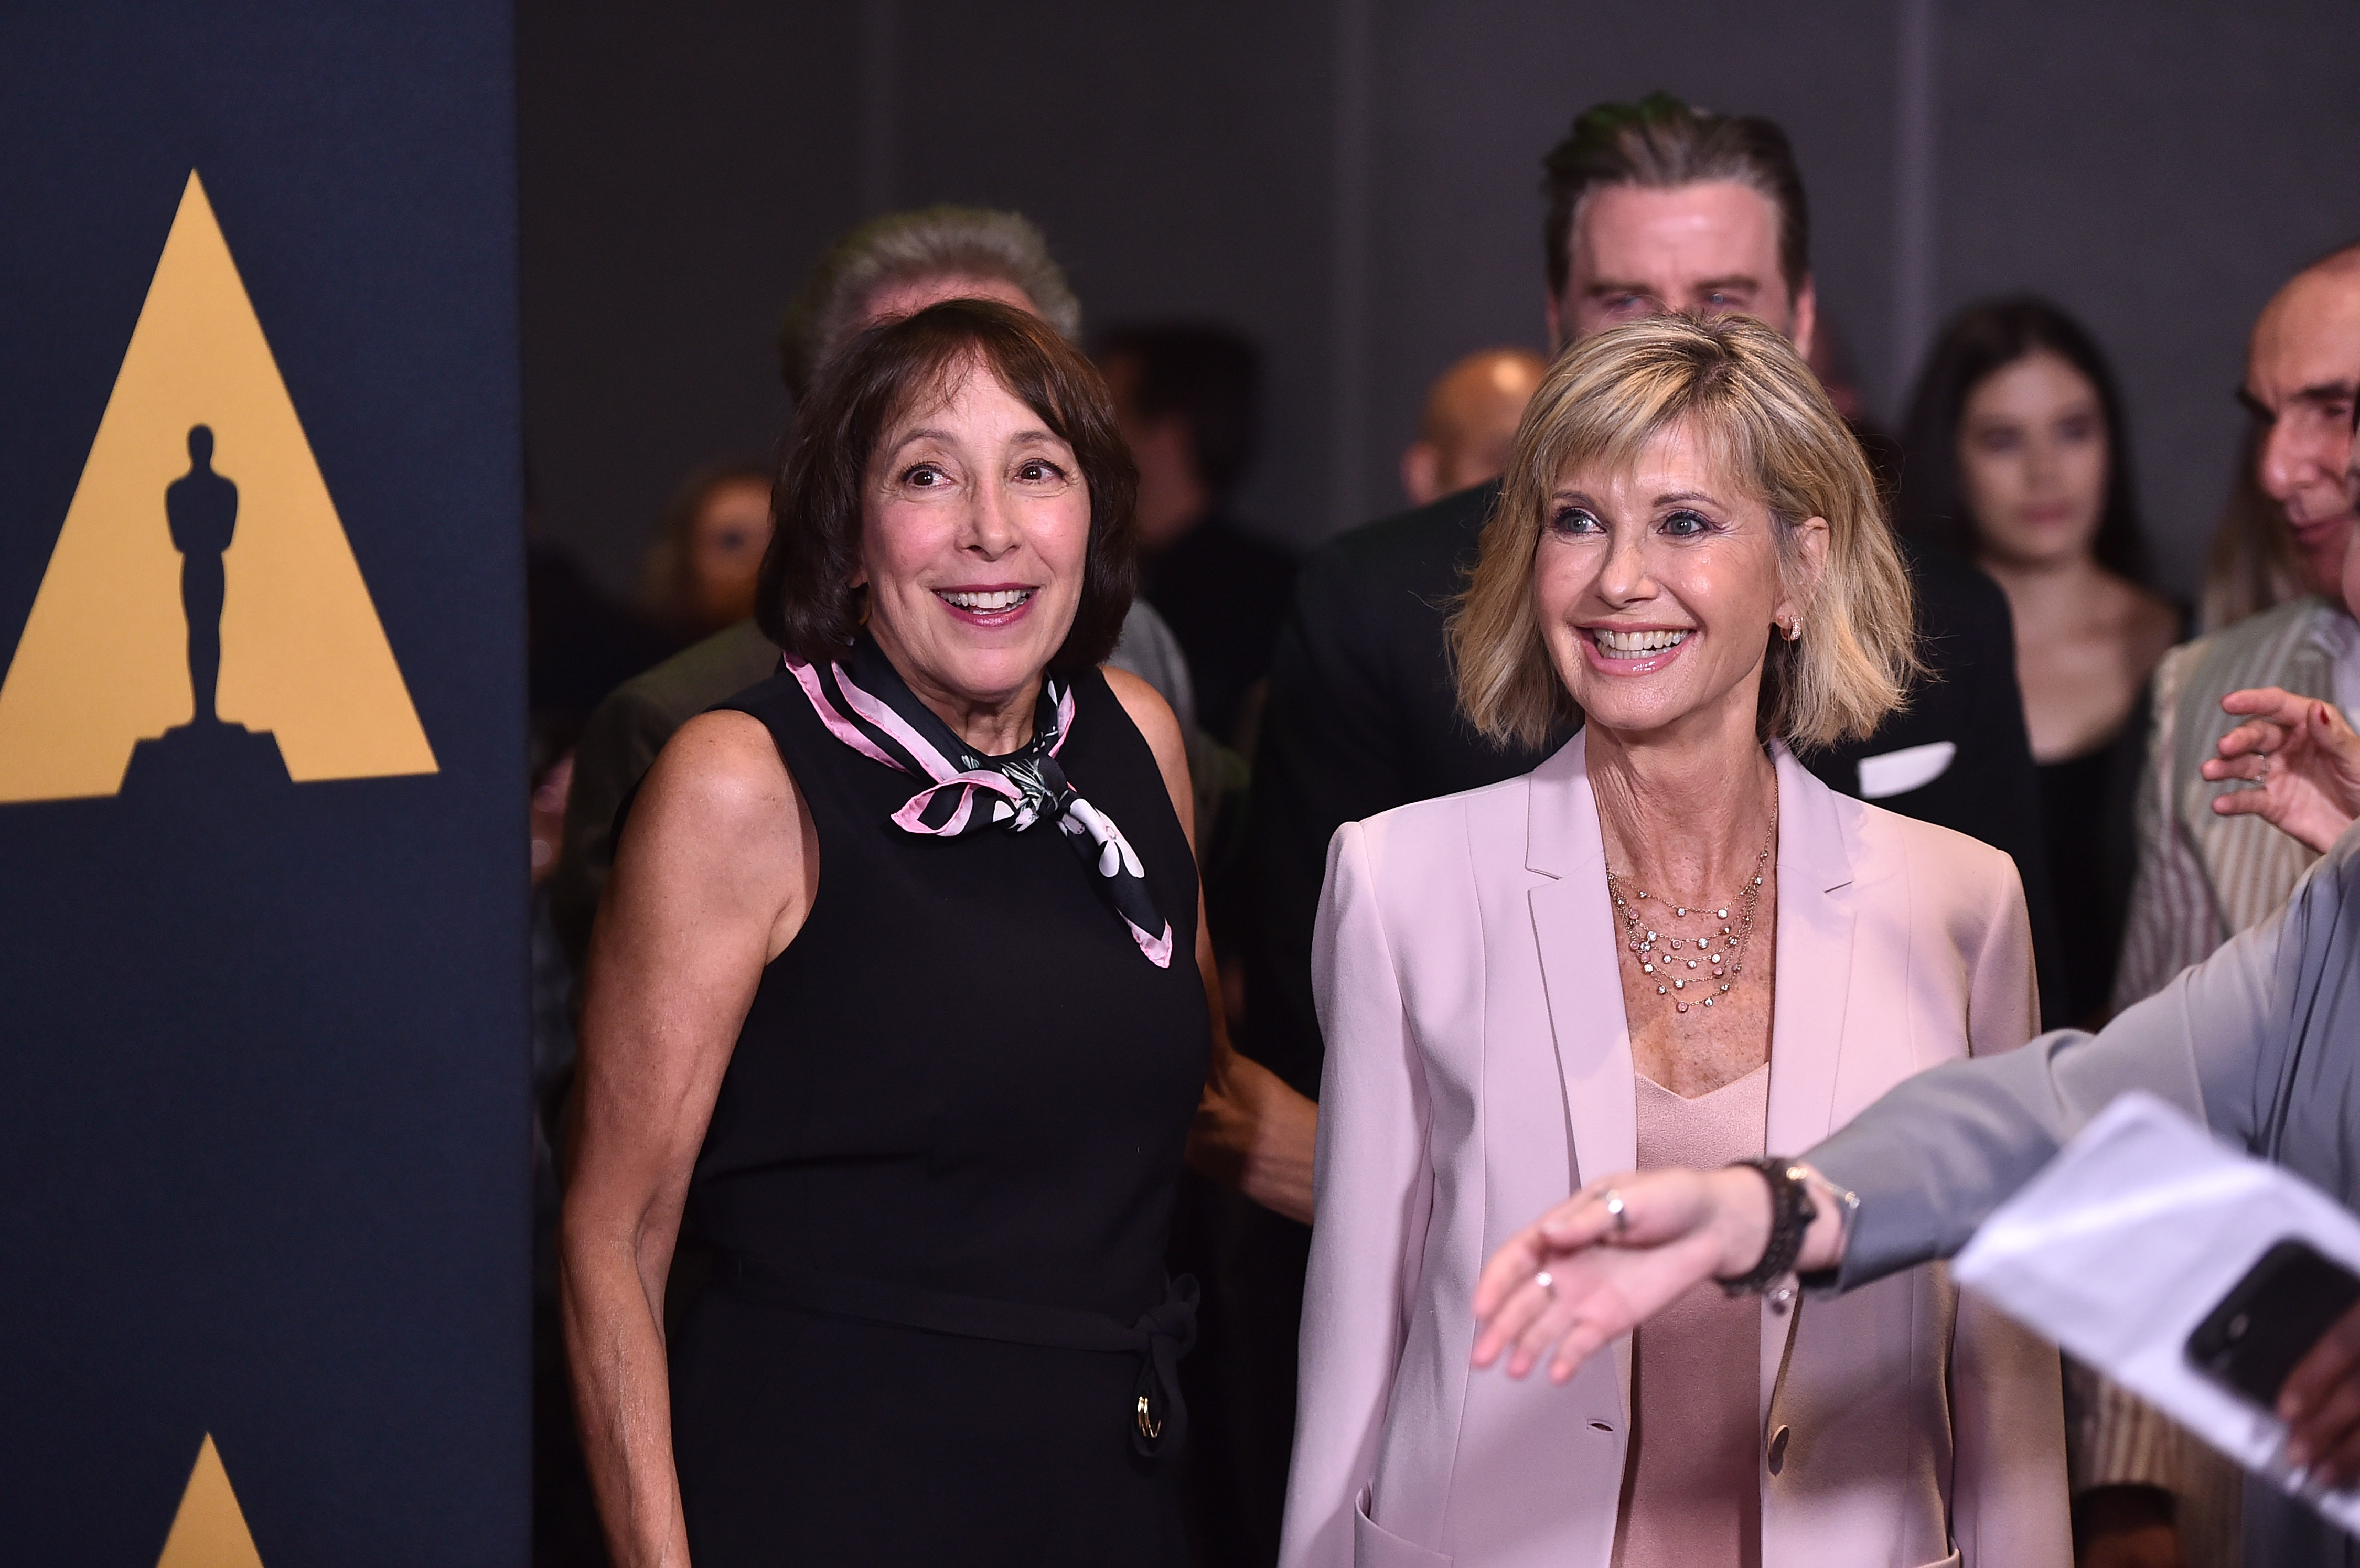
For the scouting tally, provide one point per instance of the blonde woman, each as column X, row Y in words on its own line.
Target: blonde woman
column 1666, row 945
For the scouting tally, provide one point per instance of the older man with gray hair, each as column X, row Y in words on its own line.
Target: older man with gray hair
column 903, row 262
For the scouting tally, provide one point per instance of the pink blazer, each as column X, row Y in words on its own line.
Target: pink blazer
column 1479, row 1070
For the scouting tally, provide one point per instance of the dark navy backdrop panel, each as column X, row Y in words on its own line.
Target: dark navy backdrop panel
column 263, row 1110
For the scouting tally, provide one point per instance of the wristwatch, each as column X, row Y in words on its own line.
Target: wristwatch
column 1791, row 1214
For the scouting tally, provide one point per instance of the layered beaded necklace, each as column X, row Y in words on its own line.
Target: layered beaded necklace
column 1719, row 956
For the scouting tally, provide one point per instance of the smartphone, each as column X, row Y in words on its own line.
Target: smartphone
column 2270, row 1320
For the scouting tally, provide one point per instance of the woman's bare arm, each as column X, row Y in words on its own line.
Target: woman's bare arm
column 1252, row 1131
column 713, row 878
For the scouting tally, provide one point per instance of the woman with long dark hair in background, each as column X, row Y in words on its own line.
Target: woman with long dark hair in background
column 2017, row 458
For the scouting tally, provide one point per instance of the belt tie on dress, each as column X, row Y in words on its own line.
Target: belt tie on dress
column 1163, row 1333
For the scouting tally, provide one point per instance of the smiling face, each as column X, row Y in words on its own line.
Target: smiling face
column 1656, row 586
column 2302, row 373
column 975, row 534
column 2032, row 461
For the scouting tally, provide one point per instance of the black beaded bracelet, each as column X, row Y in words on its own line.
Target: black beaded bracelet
column 1791, row 1214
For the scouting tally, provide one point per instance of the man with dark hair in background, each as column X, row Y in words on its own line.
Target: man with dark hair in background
column 1187, row 398
column 1653, row 207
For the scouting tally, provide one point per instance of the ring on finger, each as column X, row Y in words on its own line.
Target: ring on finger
column 1618, row 1210
column 1545, row 1282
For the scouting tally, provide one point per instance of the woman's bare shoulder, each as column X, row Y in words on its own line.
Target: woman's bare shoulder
column 719, row 830
column 720, row 775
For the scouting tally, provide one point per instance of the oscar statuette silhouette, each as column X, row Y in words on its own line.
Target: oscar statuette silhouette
column 201, row 508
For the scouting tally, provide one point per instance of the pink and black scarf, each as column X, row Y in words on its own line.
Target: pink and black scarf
column 873, row 710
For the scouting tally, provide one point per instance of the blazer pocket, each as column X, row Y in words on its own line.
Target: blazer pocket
column 1373, row 1546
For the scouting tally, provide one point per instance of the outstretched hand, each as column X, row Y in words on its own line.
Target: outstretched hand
column 1580, row 1277
column 2302, row 758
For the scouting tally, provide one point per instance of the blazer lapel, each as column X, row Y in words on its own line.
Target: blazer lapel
column 1575, row 931
column 1813, row 970
column 1812, row 986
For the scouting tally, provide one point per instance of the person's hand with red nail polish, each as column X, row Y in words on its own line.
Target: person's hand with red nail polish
column 2301, row 758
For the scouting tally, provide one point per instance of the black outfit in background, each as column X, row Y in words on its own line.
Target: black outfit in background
column 2075, row 824
column 959, row 1101
column 2089, row 810
column 579, row 645
column 1224, row 593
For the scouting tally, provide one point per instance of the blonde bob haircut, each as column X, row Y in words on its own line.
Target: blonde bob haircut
column 1768, row 425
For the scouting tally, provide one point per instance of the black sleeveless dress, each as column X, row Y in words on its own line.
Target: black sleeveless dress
column 950, row 1133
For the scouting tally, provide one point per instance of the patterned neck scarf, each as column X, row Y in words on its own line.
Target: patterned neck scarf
column 873, row 710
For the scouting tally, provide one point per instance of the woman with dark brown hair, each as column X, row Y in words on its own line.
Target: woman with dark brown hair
column 2018, row 458
column 897, row 1004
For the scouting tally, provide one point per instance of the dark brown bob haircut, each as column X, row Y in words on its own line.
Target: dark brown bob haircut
column 806, row 600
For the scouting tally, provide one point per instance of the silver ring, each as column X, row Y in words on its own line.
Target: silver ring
column 1545, row 1282
column 1614, row 1207
column 2263, row 776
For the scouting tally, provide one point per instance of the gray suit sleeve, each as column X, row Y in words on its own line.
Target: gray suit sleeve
column 1936, row 1155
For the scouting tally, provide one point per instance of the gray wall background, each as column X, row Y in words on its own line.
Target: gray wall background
column 1354, row 183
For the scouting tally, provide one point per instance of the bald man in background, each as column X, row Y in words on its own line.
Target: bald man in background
column 2203, row 878
column 2302, row 374
column 1469, row 422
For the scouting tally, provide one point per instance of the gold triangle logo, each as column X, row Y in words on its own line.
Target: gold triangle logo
column 203, row 580
column 210, row 1529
